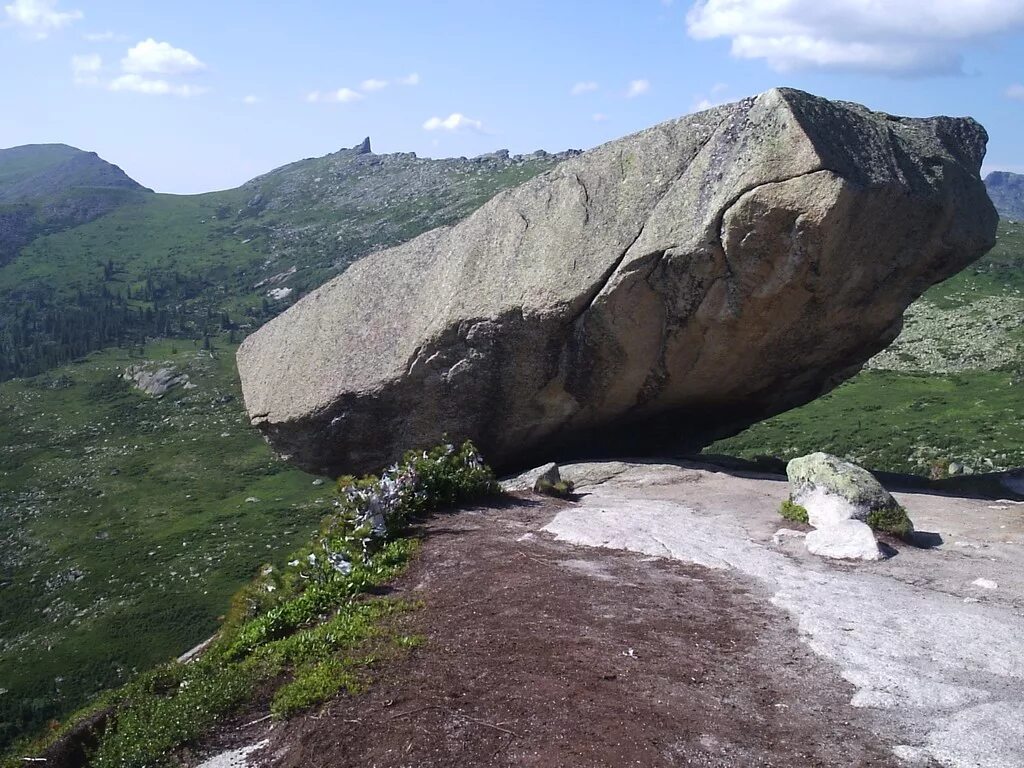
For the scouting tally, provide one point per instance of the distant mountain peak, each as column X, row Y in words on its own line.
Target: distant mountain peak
column 46, row 188
column 1007, row 192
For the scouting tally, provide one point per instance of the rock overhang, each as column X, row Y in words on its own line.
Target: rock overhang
column 686, row 280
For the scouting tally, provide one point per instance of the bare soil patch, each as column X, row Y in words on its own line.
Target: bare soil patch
column 539, row 653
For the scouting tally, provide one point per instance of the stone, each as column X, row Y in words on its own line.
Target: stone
column 156, row 381
column 787, row 534
column 527, row 481
column 844, row 540
column 649, row 295
column 833, row 491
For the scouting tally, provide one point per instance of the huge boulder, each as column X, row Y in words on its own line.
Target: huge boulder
column 652, row 293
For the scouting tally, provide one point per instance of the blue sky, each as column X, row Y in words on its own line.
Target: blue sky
column 191, row 96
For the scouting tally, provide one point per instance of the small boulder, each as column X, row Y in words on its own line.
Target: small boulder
column 527, row 481
column 844, row 540
column 833, row 491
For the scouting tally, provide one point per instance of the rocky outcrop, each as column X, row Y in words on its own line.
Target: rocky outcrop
column 155, row 380
column 653, row 293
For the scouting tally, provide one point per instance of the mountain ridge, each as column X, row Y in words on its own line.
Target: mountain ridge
column 46, row 188
column 1007, row 192
column 192, row 266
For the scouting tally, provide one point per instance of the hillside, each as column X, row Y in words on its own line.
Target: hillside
column 192, row 266
column 47, row 188
column 948, row 391
column 127, row 521
column 1007, row 192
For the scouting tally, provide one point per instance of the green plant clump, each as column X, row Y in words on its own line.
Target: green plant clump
column 300, row 631
column 562, row 489
column 892, row 520
column 793, row 512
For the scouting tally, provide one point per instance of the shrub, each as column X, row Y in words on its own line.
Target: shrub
column 892, row 520
column 793, row 512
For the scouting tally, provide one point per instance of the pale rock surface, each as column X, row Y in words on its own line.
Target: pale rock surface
column 944, row 675
column 156, row 381
column 844, row 540
column 657, row 291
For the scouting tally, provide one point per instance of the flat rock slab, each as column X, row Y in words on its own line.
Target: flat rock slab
column 922, row 642
column 655, row 622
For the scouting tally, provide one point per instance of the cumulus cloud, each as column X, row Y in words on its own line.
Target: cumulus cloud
column 99, row 37
column 413, row 78
column 157, row 69
column 1015, row 92
column 373, row 84
column 456, row 121
column 153, row 86
column 911, row 37
column 637, row 88
column 39, row 17
column 586, row 86
column 157, row 58
column 341, row 96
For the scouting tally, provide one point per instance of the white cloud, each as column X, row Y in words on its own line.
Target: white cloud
column 153, row 86
column 99, row 37
column 586, row 86
column 40, row 17
column 412, row 78
column 373, row 84
column 1015, row 92
column 911, row 37
column 637, row 88
column 342, row 96
column 86, row 68
column 251, row 99
column 454, row 122
column 157, row 58
column 599, row 117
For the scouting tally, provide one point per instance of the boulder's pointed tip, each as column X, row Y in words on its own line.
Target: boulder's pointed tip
column 364, row 148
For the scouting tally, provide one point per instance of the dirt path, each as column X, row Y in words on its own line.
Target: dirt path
column 543, row 653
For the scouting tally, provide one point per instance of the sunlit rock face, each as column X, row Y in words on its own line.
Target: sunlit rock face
column 646, row 296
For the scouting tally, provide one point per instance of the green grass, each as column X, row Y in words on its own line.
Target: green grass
column 297, row 634
column 125, row 526
column 900, row 422
column 929, row 402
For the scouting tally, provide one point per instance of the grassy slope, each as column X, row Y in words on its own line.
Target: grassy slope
column 124, row 525
column 123, row 520
column 203, row 259
column 950, row 388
